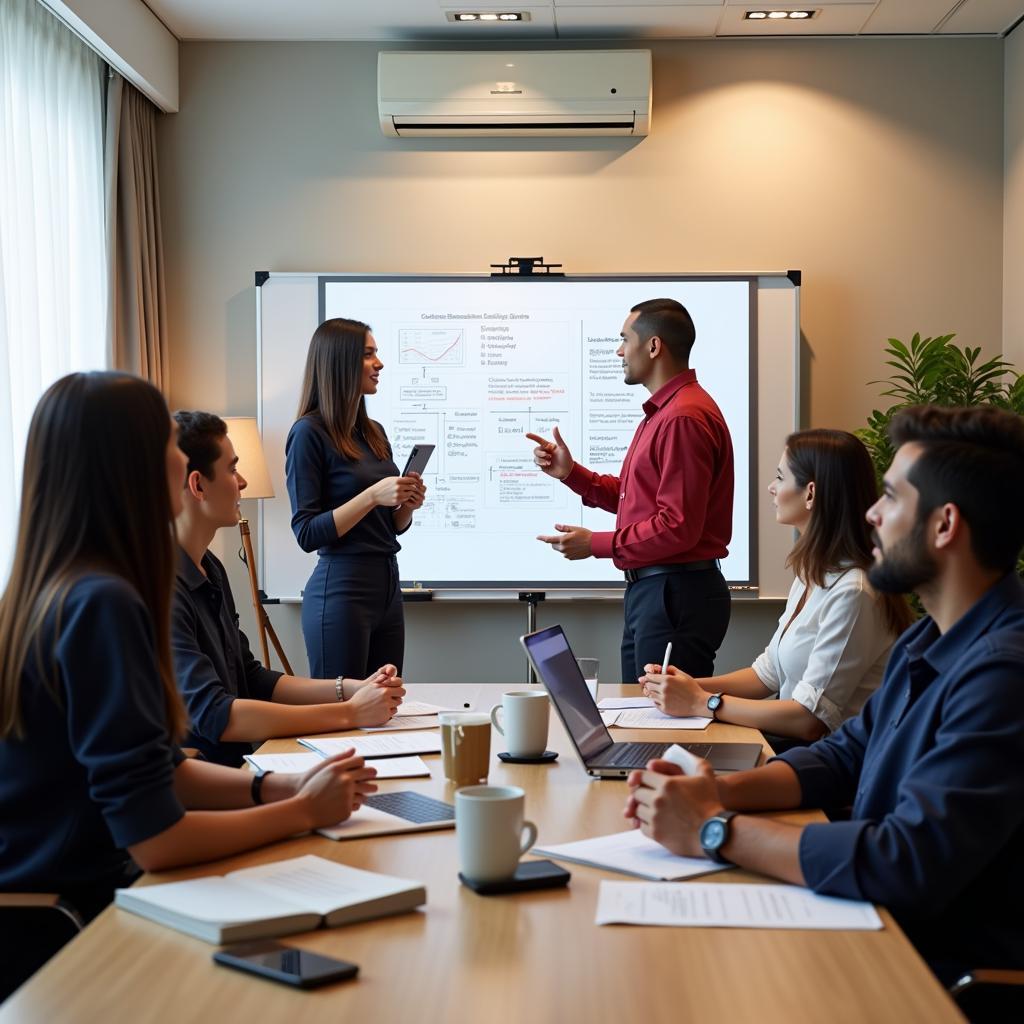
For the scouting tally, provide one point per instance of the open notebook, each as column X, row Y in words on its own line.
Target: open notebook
column 282, row 898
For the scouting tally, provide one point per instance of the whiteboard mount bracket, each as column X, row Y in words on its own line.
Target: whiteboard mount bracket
column 262, row 277
column 526, row 266
column 795, row 276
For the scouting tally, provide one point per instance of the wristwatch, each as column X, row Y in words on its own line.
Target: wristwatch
column 714, row 703
column 714, row 834
column 257, row 785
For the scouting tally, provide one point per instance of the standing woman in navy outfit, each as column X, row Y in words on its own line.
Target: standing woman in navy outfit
column 93, row 785
column 349, row 504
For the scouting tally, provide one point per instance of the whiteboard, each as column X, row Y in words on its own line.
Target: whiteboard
column 472, row 363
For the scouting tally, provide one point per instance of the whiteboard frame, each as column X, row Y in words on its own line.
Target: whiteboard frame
column 762, row 583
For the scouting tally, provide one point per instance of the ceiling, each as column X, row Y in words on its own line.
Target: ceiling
column 412, row 20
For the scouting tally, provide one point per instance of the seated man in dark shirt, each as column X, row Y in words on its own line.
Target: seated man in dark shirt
column 934, row 765
column 233, row 701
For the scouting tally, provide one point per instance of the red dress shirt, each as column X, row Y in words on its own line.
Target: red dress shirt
column 673, row 501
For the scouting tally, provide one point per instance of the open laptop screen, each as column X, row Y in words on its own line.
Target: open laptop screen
column 553, row 659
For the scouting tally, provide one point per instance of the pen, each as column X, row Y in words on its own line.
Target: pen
column 667, row 658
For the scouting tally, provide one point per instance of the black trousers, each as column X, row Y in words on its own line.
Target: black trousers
column 352, row 616
column 689, row 608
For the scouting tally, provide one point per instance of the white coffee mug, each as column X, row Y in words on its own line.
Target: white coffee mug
column 523, row 721
column 491, row 832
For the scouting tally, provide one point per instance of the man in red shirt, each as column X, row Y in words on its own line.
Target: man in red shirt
column 672, row 500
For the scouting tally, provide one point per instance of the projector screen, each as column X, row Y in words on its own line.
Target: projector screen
column 472, row 365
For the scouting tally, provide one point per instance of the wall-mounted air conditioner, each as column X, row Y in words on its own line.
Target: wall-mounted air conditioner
column 537, row 92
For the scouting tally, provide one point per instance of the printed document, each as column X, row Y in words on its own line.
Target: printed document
column 376, row 746
column 651, row 718
column 704, row 905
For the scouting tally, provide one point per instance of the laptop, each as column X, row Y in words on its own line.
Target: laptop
column 553, row 661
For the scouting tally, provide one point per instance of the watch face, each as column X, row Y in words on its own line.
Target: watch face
column 713, row 702
column 712, row 835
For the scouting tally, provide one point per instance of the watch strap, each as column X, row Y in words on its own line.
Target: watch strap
column 257, row 785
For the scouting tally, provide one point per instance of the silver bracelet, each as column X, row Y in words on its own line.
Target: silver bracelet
column 339, row 688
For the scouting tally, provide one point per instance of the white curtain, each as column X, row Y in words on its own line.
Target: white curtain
column 53, row 272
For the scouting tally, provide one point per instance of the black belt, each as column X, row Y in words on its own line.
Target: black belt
column 632, row 575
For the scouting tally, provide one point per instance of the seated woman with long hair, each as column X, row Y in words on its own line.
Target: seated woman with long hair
column 92, row 783
column 829, row 651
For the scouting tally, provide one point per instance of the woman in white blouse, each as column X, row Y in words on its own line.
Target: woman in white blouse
column 829, row 652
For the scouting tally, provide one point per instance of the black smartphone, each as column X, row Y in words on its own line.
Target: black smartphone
column 418, row 459
column 286, row 964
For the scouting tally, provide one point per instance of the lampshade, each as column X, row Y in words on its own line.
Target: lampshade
column 245, row 436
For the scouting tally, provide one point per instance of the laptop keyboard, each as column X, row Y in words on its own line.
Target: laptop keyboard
column 629, row 754
column 411, row 806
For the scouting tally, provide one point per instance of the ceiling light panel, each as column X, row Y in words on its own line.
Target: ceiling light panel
column 829, row 19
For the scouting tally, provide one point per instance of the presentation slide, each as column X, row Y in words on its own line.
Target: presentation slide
column 473, row 365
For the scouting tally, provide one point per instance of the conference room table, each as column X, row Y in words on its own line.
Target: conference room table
column 533, row 957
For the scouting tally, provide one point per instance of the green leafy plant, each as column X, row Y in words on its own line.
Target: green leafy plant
column 937, row 372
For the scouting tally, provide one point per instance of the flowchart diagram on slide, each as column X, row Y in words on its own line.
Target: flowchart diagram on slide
column 525, row 376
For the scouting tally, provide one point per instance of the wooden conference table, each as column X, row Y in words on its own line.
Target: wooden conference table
column 535, row 957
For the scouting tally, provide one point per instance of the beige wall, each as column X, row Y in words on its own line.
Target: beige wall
column 875, row 167
column 1013, row 201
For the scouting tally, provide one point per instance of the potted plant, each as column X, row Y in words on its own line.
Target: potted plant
column 935, row 371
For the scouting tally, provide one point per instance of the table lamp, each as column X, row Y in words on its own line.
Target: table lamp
column 244, row 433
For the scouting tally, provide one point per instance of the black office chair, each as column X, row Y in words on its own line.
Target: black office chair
column 33, row 926
column 986, row 996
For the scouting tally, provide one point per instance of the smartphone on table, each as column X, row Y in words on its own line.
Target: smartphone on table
column 286, row 964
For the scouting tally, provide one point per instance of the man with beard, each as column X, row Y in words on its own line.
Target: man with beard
column 934, row 765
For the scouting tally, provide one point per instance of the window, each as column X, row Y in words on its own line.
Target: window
column 53, row 263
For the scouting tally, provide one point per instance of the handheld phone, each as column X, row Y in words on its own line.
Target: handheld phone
column 418, row 459
column 678, row 755
column 286, row 964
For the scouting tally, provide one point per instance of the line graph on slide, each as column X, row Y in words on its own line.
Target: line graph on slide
column 421, row 346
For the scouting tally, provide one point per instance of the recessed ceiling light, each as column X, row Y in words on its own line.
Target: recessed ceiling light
column 488, row 16
column 778, row 15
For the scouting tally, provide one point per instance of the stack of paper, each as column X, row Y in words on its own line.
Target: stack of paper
column 387, row 768
column 632, row 853
column 703, row 905
column 650, row 718
column 401, row 721
column 376, row 746
column 419, row 707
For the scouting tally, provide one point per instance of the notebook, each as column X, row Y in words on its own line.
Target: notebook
column 398, row 745
column 631, row 853
column 281, row 898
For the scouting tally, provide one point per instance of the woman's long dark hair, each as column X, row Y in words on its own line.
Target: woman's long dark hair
column 837, row 534
column 94, row 498
column 332, row 387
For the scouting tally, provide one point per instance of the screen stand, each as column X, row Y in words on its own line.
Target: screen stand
column 532, row 599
